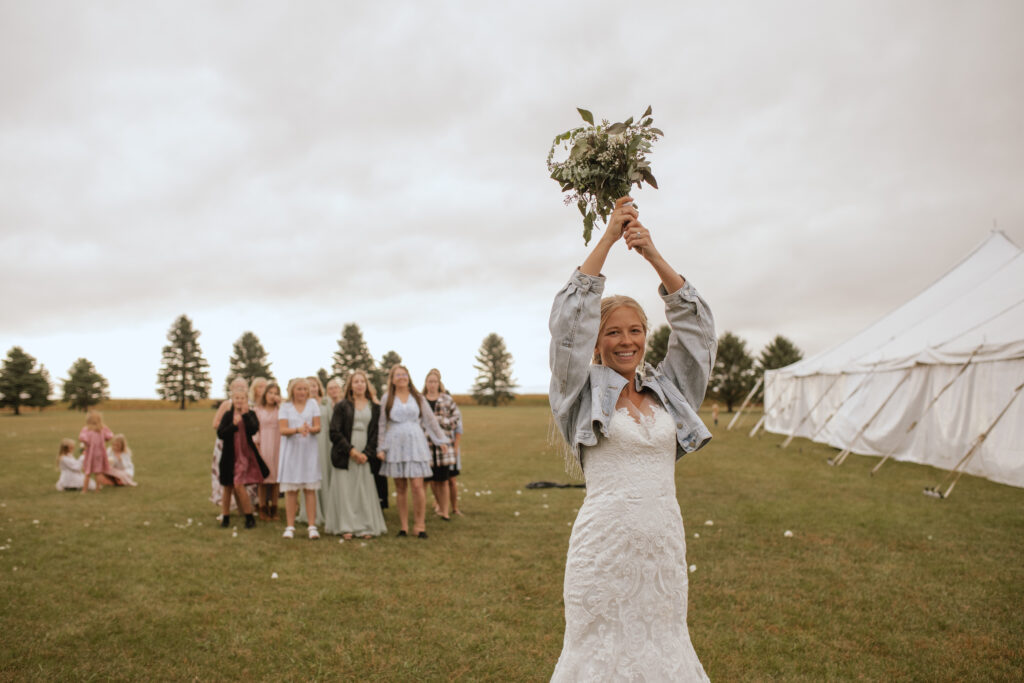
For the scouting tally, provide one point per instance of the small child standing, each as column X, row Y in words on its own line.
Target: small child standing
column 95, row 436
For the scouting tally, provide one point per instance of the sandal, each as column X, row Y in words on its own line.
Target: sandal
column 289, row 532
column 313, row 533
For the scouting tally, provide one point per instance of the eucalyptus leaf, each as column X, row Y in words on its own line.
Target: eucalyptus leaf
column 587, row 116
column 647, row 112
column 617, row 128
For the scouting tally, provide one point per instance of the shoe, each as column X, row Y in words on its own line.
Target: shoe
column 250, row 521
column 447, row 519
column 402, row 533
column 313, row 533
column 225, row 521
column 289, row 532
column 422, row 534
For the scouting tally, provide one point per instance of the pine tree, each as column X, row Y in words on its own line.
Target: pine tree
column 733, row 374
column 494, row 382
column 248, row 360
column 84, row 387
column 657, row 345
column 379, row 376
column 779, row 353
column 352, row 353
column 183, row 372
column 22, row 383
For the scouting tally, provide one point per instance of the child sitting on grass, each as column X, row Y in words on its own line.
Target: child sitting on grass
column 71, row 477
column 120, row 458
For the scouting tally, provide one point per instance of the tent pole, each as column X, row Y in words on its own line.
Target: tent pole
column 958, row 470
column 924, row 413
column 839, row 459
column 801, row 423
column 745, row 402
column 841, row 404
column 757, row 426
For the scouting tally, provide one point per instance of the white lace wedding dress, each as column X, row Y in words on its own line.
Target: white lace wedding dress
column 625, row 574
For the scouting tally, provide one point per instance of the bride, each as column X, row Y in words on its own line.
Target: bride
column 626, row 424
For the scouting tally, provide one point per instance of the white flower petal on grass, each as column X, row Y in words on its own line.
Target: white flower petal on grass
column 696, row 535
column 546, row 506
column 234, row 534
column 709, row 523
column 273, row 575
column 362, row 545
column 519, row 493
column 693, row 568
column 145, row 524
column 35, row 521
column 477, row 494
column 929, row 538
column 788, row 534
column 516, row 513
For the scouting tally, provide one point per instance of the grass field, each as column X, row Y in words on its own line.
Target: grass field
column 877, row 582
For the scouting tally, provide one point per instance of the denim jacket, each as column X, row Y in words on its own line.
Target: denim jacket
column 583, row 396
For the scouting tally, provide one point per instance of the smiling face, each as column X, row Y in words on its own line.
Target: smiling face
column 400, row 377
column 621, row 341
column 300, row 391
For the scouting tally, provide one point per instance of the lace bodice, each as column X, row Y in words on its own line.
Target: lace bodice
column 636, row 460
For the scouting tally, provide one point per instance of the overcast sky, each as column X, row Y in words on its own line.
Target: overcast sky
column 287, row 168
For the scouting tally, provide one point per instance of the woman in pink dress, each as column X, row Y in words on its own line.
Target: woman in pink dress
column 95, row 436
column 266, row 410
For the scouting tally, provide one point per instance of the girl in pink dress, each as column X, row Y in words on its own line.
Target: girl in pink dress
column 95, row 436
column 270, row 444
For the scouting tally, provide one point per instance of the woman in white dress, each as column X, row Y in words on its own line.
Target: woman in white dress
column 625, row 425
column 298, row 464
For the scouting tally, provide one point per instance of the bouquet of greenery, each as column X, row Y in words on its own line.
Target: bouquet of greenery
column 604, row 161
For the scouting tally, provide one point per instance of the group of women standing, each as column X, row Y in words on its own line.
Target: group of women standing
column 338, row 446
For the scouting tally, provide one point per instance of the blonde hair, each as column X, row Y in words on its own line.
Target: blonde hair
column 67, row 447
column 608, row 306
column 292, row 383
column 371, row 393
column 315, row 383
column 434, row 372
column 238, row 380
column 94, row 420
column 257, row 381
column 119, row 438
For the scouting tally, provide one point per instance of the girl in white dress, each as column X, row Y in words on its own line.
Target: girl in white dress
column 71, row 476
column 120, row 458
column 625, row 425
column 299, row 464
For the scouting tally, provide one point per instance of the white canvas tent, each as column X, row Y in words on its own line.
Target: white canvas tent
column 937, row 379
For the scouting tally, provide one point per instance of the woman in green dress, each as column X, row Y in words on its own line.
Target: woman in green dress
column 351, row 505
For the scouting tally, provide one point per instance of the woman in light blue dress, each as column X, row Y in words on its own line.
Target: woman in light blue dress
column 406, row 422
